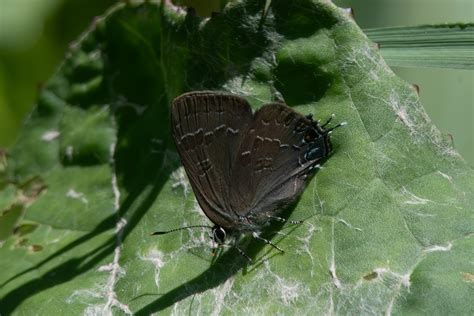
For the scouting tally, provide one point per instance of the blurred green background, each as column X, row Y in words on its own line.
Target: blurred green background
column 35, row 34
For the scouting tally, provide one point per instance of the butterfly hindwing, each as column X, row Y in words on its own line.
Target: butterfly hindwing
column 271, row 165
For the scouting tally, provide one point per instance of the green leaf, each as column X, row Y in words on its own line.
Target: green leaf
column 438, row 46
column 389, row 219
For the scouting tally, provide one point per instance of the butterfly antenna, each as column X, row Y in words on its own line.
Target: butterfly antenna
column 329, row 130
column 178, row 229
column 268, row 242
column 328, row 120
column 284, row 220
column 242, row 253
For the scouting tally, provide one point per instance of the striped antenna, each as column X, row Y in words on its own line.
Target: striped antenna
column 178, row 229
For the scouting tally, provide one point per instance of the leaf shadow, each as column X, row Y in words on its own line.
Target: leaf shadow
column 72, row 268
column 142, row 187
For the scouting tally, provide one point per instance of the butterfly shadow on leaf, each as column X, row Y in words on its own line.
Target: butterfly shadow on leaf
column 225, row 265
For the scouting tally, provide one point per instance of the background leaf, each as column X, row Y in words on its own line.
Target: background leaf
column 391, row 213
column 439, row 46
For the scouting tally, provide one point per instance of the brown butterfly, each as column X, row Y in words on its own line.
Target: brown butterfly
column 244, row 168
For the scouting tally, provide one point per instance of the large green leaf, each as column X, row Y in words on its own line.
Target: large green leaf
column 94, row 172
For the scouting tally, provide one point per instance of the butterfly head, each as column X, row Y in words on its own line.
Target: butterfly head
column 219, row 234
column 317, row 137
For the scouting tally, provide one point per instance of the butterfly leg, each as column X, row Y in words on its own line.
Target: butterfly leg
column 215, row 253
column 268, row 242
column 215, row 249
column 243, row 254
column 283, row 220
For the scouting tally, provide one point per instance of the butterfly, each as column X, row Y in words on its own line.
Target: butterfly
column 245, row 167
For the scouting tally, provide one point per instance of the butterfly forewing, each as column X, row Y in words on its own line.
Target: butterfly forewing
column 208, row 128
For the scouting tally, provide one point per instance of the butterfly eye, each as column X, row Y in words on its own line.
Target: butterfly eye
column 310, row 135
column 218, row 234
